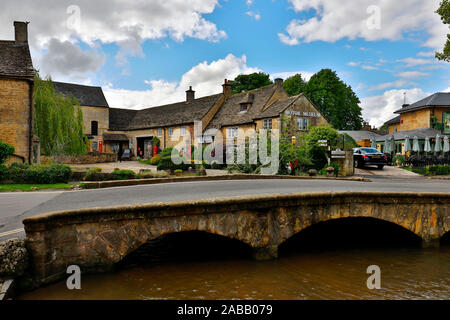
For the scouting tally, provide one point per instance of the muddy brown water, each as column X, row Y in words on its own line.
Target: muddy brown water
column 325, row 262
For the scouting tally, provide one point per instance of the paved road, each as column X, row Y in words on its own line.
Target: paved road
column 14, row 207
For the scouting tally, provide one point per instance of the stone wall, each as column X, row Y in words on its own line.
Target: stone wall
column 95, row 239
column 15, row 115
column 89, row 158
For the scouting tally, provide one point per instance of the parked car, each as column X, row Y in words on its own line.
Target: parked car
column 126, row 155
column 369, row 156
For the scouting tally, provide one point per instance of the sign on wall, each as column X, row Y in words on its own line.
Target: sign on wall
column 302, row 113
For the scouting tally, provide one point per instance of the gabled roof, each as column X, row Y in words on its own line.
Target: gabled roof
column 230, row 113
column 359, row 135
column 15, row 60
column 435, row 100
column 86, row 95
column 393, row 120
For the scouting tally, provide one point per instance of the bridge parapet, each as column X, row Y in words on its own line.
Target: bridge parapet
column 97, row 238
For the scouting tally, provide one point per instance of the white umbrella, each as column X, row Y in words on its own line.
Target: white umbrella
column 374, row 143
column 387, row 144
column 446, row 145
column 427, row 147
column 407, row 144
column 416, row 145
column 438, row 145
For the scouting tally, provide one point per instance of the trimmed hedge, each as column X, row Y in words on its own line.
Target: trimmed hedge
column 22, row 173
column 166, row 163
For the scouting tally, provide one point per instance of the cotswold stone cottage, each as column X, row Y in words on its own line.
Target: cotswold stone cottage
column 16, row 94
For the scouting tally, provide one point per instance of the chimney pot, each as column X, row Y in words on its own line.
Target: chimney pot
column 21, row 31
column 279, row 82
column 190, row 94
column 226, row 89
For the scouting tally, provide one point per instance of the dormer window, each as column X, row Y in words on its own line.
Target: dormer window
column 244, row 107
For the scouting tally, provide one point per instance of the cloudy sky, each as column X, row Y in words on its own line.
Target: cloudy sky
column 145, row 53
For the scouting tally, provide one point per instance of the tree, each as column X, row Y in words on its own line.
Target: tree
column 57, row 123
column 336, row 100
column 294, row 85
column 247, row 82
column 444, row 12
column 6, row 150
column 314, row 151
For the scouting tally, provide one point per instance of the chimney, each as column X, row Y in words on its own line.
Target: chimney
column 21, row 31
column 405, row 105
column 190, row 94
column 279, row 83
column 226, row 89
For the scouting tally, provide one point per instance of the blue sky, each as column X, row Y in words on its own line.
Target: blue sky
column 147, row 54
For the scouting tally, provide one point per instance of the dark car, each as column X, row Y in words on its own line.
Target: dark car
column 369, row 156
column 126, row 155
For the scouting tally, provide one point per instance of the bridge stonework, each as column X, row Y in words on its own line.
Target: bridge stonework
column 96, row 239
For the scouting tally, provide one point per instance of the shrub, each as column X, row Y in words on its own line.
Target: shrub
column 22, row 173
column 438, row 170
column 4, row 172
column 167, row 152
column 316, row 153
column 144, row 161
column 155, row 160
column 6, row 150
column 94, row 174
column 166, row 163
column 124, row 174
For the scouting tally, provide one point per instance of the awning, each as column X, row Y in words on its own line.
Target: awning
column 114, row 137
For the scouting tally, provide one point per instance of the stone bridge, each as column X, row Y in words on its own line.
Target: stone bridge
column 96, row 239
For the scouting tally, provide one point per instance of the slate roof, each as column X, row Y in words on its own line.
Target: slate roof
column 120, row 119
column 162, row 116
column 86, row 95
column 420, row 133
column 359, row 135
column 437, row 99
column 114, row 137
column 393, row 120
column 230, row 113
column 15, row 60
column 278, row 107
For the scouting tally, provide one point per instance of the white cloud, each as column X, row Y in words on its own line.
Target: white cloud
column 412, row 74
column 306, row 75
column 353, row 64
column 335, row 20
column 365, row 67
column 426, row 54
column 447, row 90
column 413, row 62
column 387, row 85
column 110, row 21
column 254, row 15
column 379, row 109
column 205, row 78
column 66, row 60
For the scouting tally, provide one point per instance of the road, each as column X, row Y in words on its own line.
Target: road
column 14, row 207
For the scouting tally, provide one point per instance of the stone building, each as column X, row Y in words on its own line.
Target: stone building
column 95, row 110
column 16, row 95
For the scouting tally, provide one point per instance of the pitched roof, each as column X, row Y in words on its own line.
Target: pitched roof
column 120, row 119
column 437, row 99
column 86, row 95
column 420, row 133
column 230, row 113
column 393, row 120
column 15, row 60
column 115, row 137
column 359, row 135
column 162, row 116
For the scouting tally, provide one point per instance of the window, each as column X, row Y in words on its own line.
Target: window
column 94, row 128
column 267, row 124
column 170, row 132
column 159, row 132
column 232, row 133
column 183, row 131
column 302, row 123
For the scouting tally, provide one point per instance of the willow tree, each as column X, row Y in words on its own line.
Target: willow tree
column 57, row 122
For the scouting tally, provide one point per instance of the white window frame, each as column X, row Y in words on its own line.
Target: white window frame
column 159, row 132
column 232, row 133
column 183, row 131
column 302, row 123
column 170, row 132
column 266, row 123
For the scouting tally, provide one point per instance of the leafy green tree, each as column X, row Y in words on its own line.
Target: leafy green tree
column 336, row 100
column 6, row 150
column 294, row 85
column 247, row 82
column 57, row 122
column 444, row 12
column 314, row 151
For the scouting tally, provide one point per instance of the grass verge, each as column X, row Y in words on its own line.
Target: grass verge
column 27, row 187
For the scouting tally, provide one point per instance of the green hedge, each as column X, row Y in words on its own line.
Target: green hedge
column 438, row 170
column 166, row 163
column 6, row 150
column 22, row 173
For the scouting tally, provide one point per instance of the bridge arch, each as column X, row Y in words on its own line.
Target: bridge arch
column 352, row 232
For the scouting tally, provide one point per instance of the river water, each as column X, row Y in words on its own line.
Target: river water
column 329, row 262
